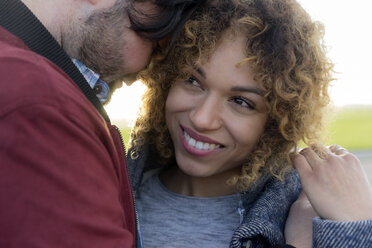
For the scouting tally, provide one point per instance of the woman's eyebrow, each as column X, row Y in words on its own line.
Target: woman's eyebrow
column 200, row 71
column 255, row 90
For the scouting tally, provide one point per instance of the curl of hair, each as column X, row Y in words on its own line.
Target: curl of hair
column 167, row 19
column 285, row 49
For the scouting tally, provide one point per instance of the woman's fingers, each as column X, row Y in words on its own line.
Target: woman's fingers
column 311, row 157
column 335, row 184
column 301, row 164
column 338, row 150
column 305, row 163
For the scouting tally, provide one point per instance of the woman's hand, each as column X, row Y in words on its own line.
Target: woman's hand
column 336, row 186
column 298, row 227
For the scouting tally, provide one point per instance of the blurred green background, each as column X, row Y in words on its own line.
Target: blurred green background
column 125, row 133
column 350, row 127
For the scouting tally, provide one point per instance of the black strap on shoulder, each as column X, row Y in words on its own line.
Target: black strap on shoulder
column 19, row 20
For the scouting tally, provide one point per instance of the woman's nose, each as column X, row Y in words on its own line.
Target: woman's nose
column 206, row 114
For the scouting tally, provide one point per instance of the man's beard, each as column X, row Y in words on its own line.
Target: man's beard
column 98, row 43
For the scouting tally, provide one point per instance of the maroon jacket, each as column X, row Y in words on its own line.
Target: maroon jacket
column 63, row 175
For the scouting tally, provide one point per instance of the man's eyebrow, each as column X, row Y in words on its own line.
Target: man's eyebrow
column 200, row 71
column 255, row 90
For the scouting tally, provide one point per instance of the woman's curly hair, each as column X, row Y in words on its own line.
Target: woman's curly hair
column 284, row 48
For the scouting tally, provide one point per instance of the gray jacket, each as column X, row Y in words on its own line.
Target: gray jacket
column 264, row 210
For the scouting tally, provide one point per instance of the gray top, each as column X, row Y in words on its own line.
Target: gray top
column 168, row 219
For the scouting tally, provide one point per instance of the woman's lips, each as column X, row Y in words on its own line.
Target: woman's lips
column 198, row 145
column 199, row 137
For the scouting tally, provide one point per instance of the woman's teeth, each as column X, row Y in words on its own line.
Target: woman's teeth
column 198, row 144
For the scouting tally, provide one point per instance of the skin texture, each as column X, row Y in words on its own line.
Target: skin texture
column 337, row 189
column 205, row 102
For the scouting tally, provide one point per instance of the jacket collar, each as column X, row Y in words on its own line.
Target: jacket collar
column 268, row 206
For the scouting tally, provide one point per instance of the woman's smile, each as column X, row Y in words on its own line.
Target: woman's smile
column 198, row 145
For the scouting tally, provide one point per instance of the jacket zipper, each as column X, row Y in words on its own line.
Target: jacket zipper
column 128, row 177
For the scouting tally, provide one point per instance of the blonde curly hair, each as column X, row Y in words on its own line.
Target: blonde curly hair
column 286, row 52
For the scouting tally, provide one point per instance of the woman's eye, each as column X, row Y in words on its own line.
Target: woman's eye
column 242, row 102
column 193, row 81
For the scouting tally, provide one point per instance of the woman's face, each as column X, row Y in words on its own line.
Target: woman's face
column 217, row 114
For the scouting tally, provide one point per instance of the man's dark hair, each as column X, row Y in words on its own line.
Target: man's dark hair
column 164, row 23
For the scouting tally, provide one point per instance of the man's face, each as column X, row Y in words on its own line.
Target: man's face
column 109, row 47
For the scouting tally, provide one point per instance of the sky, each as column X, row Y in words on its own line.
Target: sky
column 348, row 36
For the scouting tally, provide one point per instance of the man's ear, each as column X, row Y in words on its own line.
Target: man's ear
column 93, row 2
column 165, row 42
column 101, row 3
